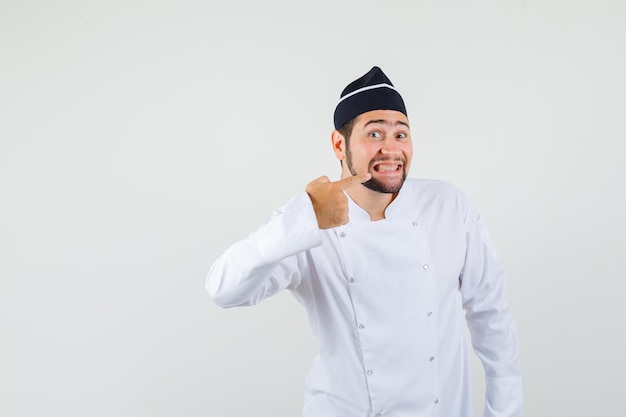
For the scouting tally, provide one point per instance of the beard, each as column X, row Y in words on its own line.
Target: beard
column 373, row 183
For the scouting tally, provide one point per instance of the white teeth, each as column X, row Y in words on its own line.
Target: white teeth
column 382, row 168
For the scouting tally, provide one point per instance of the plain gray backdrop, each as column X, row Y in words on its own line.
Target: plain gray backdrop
column 139, row 139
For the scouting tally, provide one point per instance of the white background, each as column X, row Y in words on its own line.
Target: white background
column 139, row 139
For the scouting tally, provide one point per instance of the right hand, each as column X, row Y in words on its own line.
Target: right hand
column 329, row 201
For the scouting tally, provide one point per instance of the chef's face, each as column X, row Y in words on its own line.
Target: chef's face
column 380, row 144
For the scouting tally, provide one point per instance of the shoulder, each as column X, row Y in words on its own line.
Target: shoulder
column 436, row 197
column 433, row 188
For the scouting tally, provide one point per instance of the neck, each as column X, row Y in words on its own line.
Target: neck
column 373, row 202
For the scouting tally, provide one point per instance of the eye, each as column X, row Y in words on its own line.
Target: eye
column 401, row 136
column 375, row 134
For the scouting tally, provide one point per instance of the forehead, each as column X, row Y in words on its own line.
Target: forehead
column 388, row 117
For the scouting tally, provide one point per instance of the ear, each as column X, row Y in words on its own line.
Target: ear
column 339, row 144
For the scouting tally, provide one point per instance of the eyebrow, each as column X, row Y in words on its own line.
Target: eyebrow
column 386, row 122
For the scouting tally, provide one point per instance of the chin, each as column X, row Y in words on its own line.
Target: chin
column 384, row 187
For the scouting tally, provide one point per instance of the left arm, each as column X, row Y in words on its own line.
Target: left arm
column 490, row 321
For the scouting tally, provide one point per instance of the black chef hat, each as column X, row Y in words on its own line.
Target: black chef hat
column 373, row 91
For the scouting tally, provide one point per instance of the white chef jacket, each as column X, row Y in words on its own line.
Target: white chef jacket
column 386, row 300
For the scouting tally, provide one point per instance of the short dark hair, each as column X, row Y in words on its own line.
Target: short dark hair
column 346, row 132
column 346, row 129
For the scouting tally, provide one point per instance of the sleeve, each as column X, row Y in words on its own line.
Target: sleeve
column 265, row 262
column 490, row 321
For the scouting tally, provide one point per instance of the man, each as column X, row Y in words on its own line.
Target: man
column 386, row 267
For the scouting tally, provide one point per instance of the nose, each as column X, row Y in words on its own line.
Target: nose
column 390, row 147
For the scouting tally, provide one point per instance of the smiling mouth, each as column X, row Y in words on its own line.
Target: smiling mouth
column 387, row 167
